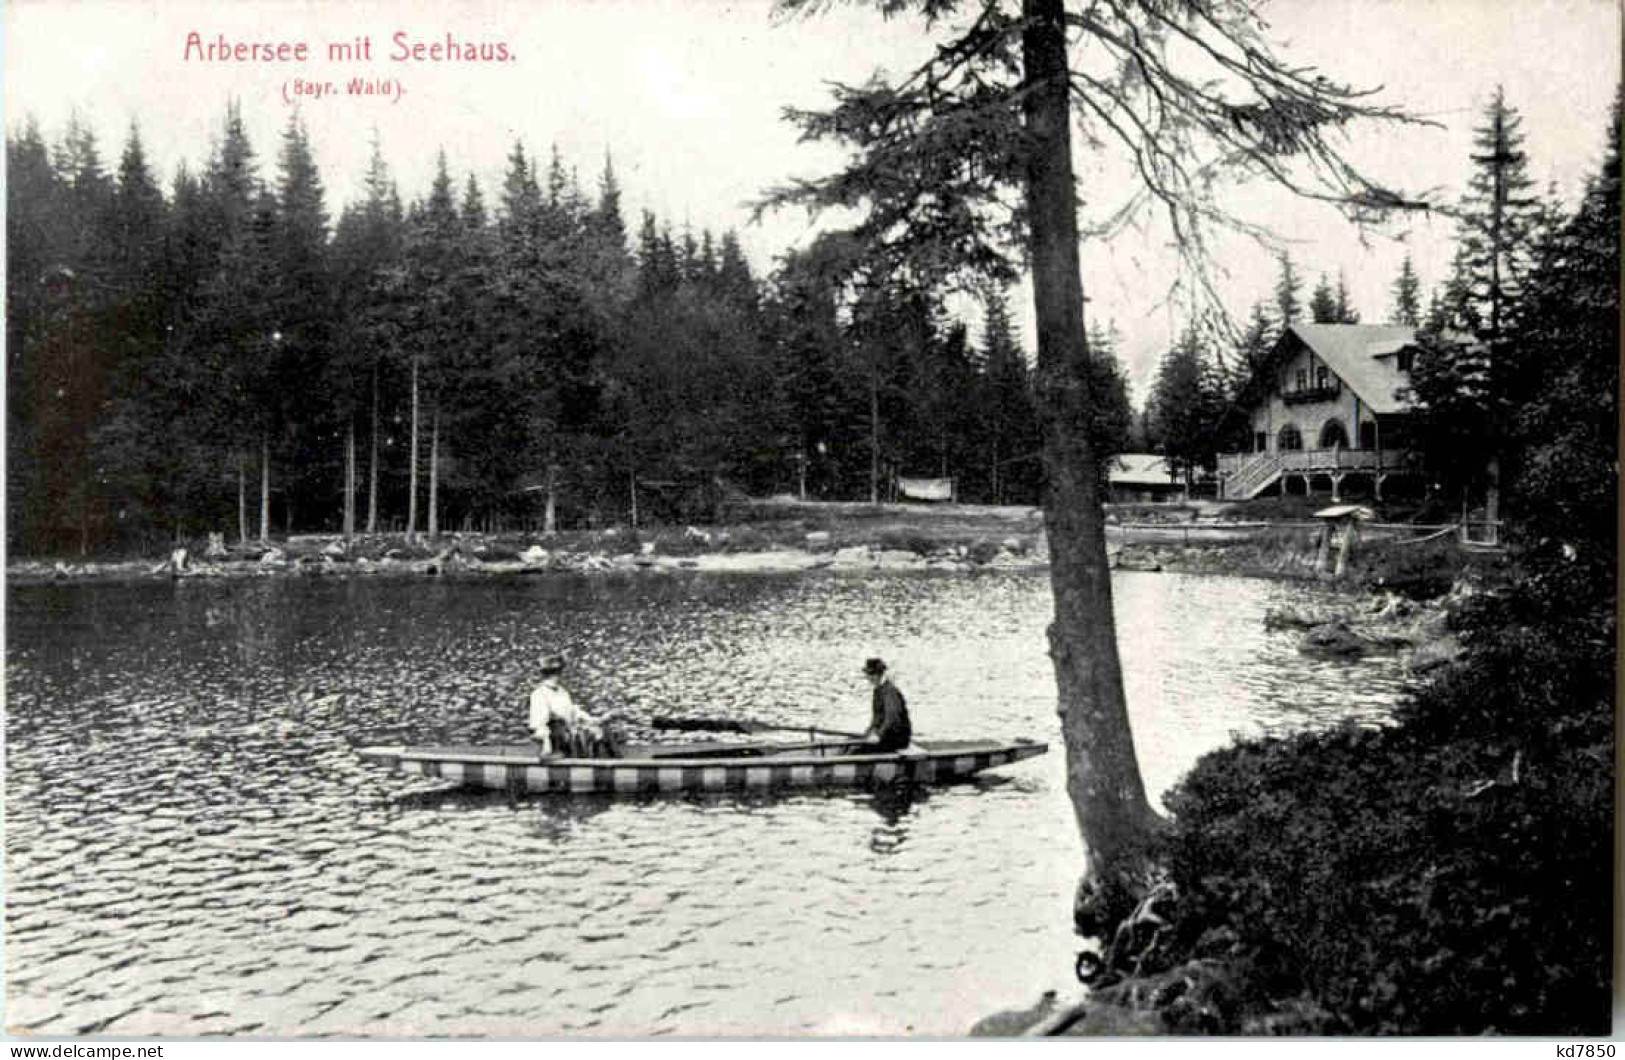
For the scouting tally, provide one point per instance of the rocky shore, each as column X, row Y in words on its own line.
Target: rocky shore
column 477, row 555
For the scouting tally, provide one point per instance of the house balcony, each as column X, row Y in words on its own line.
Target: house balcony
column 1313, row 394
column 1245, row 475
column 1338, row 459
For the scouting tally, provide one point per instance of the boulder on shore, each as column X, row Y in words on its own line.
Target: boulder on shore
column 1334, row 639
column 1137, row 559
column 1298, row 617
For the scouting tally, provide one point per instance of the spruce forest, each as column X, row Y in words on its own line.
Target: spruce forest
column 236, row 354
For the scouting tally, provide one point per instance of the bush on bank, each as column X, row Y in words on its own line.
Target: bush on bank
column 1449, row 875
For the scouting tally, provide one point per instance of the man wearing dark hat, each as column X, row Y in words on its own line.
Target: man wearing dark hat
column 889, row 727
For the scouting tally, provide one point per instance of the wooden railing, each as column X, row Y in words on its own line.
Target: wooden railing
column 1244, row 474
column 1335, row 459
column 1311, row 394
column 1246, row 477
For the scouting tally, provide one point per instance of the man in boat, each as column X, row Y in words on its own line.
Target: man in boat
column 889, row 727
column 560, row 725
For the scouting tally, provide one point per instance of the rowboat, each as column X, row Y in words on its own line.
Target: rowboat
column 701, row 767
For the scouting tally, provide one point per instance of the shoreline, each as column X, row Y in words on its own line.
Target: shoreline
column 459, row 561
column 845, row 541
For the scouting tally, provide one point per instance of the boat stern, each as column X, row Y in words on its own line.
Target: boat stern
column 382, row 755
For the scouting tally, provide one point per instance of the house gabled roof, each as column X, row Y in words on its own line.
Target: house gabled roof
column 1362, row 356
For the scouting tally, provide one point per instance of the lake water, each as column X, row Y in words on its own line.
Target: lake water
column 192, row 848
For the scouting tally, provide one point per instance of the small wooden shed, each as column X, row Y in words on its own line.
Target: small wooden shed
column 1343, row 521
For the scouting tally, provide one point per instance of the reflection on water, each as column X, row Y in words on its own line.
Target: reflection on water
column 193, row 849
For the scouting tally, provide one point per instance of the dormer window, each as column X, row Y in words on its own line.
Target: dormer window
column 1323, row 377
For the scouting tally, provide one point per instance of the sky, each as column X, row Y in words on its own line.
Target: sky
column 688, row 95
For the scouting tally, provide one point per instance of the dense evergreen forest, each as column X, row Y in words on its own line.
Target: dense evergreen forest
column 228, row 356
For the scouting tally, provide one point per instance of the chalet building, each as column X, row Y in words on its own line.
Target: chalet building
column 1332, row 410
column 1140, row 478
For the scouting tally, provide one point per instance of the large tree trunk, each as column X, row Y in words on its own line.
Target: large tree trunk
column 372, row 461
column 1103, row 776
column 412, row 475
column 434, row 473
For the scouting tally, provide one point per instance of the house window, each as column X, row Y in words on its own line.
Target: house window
column 1303, row 379
column 1333, row 436
column 1289, row 440
column 1405, row 359
column 1323, row 377
column 1261, row 441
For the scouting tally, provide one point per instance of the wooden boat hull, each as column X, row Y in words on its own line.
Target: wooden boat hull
column 701, row 768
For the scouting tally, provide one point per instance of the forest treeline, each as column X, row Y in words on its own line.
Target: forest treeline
column 226, row 355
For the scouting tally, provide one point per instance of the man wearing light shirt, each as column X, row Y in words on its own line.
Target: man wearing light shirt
column 556, row 722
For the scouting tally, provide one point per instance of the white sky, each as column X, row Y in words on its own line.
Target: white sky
column 688, row 95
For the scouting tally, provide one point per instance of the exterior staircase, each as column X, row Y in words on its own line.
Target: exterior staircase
column 1254, row 476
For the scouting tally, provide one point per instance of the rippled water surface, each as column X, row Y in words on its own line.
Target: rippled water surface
column 191, row 847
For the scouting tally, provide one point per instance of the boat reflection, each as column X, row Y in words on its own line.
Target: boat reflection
column 894, row 805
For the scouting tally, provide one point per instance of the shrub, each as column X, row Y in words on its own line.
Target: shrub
column 1449, row 875
column 1422, row 571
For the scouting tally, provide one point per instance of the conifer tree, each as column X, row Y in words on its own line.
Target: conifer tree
column 1248, row 379
column 230, row 345
column 312, row 444
column 1287, row 307
column 1498, row 217
column 31, row 235
column 607, row 265
column 1112, row 411
column 1012, row 419
column 1342, row 308
column 804, row 338
column 1323, row 303
column 137, row 234
column 1253, row 348
column 1564, row 431
column 1407, row 291
column 1185, row 407
column 434, row 241
column 366, row 257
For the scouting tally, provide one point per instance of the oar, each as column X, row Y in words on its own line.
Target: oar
column 745, row 726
